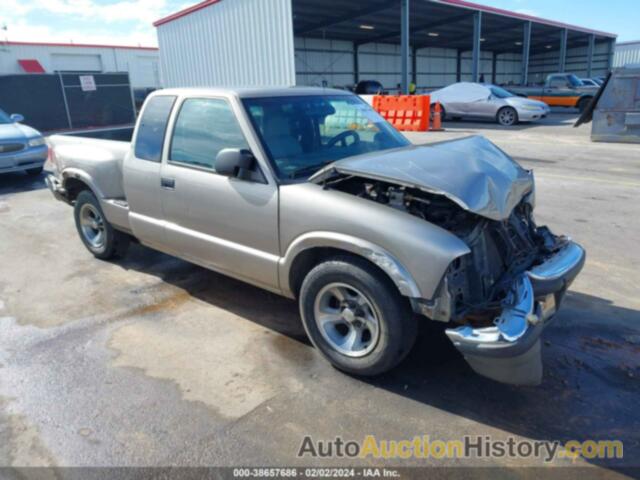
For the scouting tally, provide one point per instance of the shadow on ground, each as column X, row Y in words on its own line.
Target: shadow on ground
column 20, row 182
column 591, row 354
column 474, row 124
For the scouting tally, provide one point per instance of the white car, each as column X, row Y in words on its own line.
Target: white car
column 478, row 100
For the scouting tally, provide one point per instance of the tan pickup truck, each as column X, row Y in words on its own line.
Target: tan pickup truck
column 309, row 193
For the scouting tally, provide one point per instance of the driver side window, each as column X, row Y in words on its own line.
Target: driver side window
column 204, row 127
column 558, row 82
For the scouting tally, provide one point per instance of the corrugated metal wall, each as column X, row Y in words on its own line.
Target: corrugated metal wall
column 142, row 64
column 627, row 54
column 542, row 65
column 435, row 67
column 330, row 62
column 230, row 43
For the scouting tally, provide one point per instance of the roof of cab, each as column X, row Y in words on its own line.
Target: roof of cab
column 253, row 92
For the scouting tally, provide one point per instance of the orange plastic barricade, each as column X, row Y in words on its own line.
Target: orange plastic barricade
column 405, row 112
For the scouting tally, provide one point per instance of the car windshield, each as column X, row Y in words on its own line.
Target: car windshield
column 301, row 134
column 4, row 118
column 574, row 81
column 500, row 92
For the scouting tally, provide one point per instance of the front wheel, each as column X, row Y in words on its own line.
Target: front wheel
column 356, row 317
column 507, row 116
column 97, row 234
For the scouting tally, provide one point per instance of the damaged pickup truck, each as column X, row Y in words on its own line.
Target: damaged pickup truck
column 309, row 193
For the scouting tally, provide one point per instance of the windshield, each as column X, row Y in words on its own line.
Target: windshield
column 500, row 92
column 303, row 133
column 574, row 81
column 4, row 118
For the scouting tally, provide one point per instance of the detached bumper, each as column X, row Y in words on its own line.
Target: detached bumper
column 509, row 351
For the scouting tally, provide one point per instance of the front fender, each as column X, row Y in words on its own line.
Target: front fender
column 414, row 253
column 377, row 255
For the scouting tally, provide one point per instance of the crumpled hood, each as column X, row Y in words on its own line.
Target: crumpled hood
column 472, row 172
column 16, row 131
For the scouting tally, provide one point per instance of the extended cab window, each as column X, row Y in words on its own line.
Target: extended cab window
column 204, row 127
column 152, row 127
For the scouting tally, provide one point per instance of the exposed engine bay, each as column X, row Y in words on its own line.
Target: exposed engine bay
column 477, row 283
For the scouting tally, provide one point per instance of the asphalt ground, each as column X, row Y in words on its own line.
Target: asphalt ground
column 151, row 361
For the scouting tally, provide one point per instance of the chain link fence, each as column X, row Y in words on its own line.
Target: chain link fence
column 64, row 101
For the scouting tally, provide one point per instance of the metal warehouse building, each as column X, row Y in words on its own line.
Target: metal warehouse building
column 627, row 53
column 23, row 57
column 339, row 42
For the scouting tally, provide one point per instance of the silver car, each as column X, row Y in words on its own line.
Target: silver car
column 309, row 193
column 22, row 148
column 485, row 101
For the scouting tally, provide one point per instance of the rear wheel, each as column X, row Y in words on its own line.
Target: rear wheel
column 443, row 114
column 507, row 116
column 356, row 317
column 97, row 234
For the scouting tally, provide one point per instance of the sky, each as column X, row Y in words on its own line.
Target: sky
column 129, row 22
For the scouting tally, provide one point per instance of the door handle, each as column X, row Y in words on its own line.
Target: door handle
column 168, row 183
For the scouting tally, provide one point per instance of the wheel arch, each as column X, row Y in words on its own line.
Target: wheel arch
column 74, row 181
column 311, row 249
column 515, row 111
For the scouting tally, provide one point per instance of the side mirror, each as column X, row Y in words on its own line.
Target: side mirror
column 233, row 162
column 16, row 118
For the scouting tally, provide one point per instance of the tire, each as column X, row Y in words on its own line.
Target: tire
column 34, row 172
column 96, row 233
column 371, row 303
column 443, row 114
column 507, row 116
column 583, row 104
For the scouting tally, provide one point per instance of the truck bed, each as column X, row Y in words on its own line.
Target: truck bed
column 97, row 163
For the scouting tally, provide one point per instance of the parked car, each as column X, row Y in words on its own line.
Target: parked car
column 560, row 90
column 368, row 87
column 22, row 148
column 476, row 100
column 309, row 193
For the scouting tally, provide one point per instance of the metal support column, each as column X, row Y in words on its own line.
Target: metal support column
column 356, row 64
column 610, row 52
column 526, row 47
column 563, row 50
column 494, row 65
column 414, row 66
column 64, row 99
column 404, row 46
column 459, row 66
column 477, row 32
column 590, row 48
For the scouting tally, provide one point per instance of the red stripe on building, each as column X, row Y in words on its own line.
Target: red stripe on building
column 31, row 66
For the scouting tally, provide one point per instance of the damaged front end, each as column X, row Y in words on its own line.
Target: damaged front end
column 504, row 292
